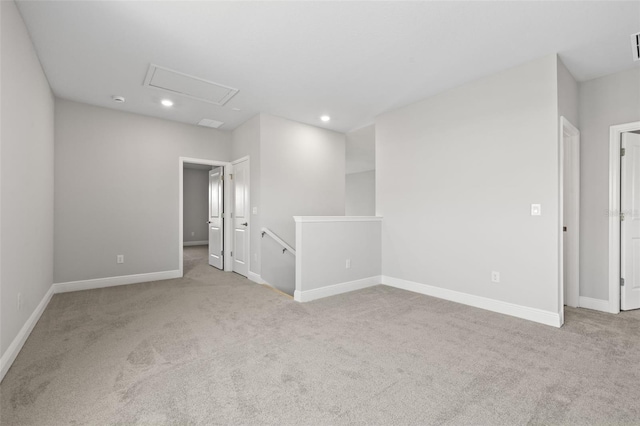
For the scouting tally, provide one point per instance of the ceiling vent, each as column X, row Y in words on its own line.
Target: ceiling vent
column 207, row 122
column 635, row 45
column 188, row 85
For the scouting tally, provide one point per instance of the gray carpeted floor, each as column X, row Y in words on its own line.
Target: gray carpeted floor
column 214, row 348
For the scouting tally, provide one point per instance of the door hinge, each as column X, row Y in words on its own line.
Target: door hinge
column 230, row 176
column 621, row 216
column 231, row 254
column 221, row 252
column 621, row 282
column 221, row 176
column 623, row 152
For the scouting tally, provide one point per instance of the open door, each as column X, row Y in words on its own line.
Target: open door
column 630, row 222
column 241, row 217
column 215, row 218
column 571, row 213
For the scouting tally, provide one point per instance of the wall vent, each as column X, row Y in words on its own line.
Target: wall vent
column 187, row 85
column 635, row 46
column 207, row 122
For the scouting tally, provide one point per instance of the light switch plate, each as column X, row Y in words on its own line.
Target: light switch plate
column 536, row 210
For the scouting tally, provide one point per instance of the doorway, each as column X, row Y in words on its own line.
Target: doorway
column 624, row 217
column 212, row 213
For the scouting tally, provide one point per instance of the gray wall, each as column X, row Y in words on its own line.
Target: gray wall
column 196, row 205
column 302, row 173
column 360, row 167
column 246, row 142
column 325, row 247
column 567, row 95
column 26, row 177
column 360, row 194
column 605, row 101
column 279, row 269
column 116, row 185
column 361, row 150
column 455, row 177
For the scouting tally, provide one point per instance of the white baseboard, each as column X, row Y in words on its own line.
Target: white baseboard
column 195, row 243
column 114, row 281
column 332, row 290
column 256, row 278
column 14, row 348
column 595, row 304
column 532, row 314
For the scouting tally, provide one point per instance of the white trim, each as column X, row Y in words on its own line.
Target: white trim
column 307, row 219
column 332, row 290
column 195, row 243
column 615, row 133
column 256, row 278
column 298, row 271
column 595, row 304
column 239, row 160
column 18, row 342
column 227, row 207
column 519, row 311
column 114, row 281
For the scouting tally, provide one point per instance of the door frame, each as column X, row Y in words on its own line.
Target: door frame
column 227, row 207
column 570, row 135
column 615, row 136
column 232, row 207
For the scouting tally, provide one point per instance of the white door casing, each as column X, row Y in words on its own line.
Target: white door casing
column 630, row 222
column 227, row 203
column 216, row 221
column 241, row 216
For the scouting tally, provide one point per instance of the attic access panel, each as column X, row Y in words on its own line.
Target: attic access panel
column 187, row 85
column 208, row 122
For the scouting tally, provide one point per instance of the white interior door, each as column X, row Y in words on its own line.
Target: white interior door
column 241, row 217
column 216, row 239
column 571, row 214
column 630, row 226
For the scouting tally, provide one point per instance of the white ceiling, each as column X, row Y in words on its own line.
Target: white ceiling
column 299, row 60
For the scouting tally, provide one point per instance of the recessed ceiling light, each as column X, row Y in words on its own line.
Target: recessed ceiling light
column 166, row 102
column 325, row 118
column 119, row 99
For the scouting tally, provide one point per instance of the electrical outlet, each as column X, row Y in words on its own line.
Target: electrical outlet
column 120, row 258
column 495, row 276
column 255, row 210
column 19, row 301
column 348, row 264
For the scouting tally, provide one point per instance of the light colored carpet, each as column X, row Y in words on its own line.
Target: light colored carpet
column 214, row 348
